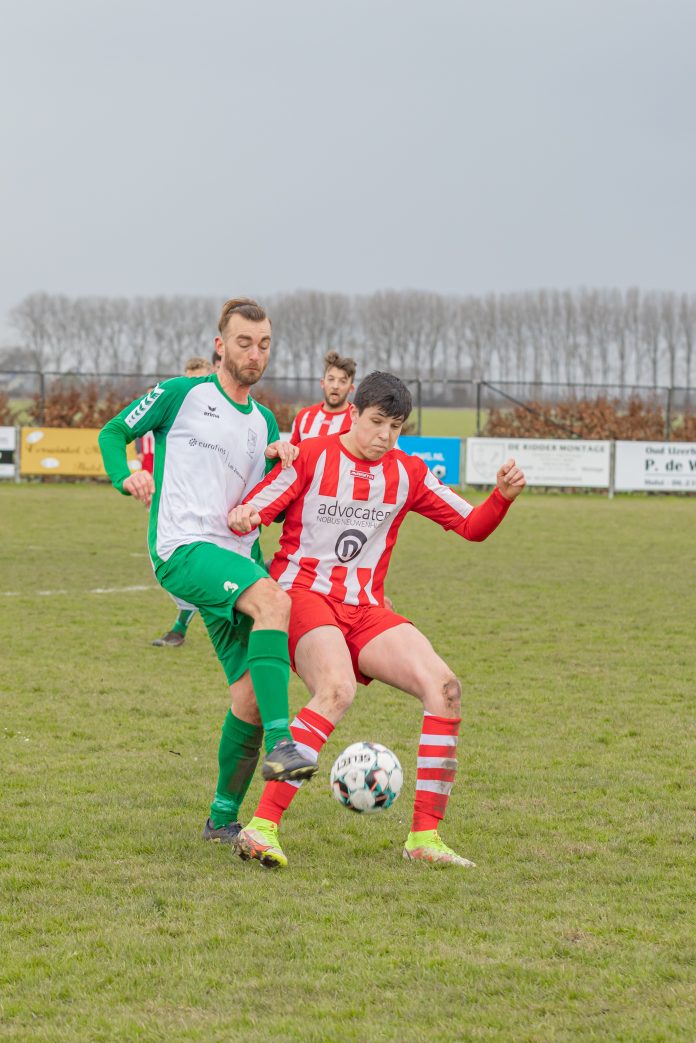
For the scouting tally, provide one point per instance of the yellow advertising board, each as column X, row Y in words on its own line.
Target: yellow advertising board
column 72, row 451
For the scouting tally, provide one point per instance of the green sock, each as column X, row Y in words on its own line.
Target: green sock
column 238, row 756
column 183, row 620
column 269, row 666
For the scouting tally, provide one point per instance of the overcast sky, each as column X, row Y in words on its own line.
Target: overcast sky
column 464, row 146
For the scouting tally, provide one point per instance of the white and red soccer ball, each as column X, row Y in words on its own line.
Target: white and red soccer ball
column 366, row 777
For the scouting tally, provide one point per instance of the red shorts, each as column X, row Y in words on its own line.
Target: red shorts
column 358, row 623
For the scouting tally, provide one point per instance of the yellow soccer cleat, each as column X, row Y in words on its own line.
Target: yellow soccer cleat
column 427, row 846
column 259, row 839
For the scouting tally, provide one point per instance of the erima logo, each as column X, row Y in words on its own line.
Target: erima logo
column 211, row 412
column 143, row 406
column 230, row 587
column 349, row 544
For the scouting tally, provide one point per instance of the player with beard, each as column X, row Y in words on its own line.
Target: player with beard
column 213, row 444
column 332, row 416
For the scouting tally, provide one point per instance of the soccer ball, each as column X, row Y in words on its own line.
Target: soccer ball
column 366, row 777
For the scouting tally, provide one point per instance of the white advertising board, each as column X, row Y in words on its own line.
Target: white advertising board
column 8, row 452
column 581, row 464
column 668, row 466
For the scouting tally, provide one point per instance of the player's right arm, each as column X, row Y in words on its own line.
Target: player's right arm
column 154, row 410
column 274, row 494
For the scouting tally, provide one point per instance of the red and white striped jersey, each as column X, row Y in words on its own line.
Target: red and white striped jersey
column 343, row 516
column 315, row 421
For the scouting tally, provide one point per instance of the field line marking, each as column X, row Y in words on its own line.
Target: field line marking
column 95, row 590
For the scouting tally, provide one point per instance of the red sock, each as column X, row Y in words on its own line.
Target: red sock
column 437, row 767
column 310, row 731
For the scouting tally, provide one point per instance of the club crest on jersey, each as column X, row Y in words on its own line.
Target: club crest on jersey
column 252, row 439
column 349, row 544
column 143, row 406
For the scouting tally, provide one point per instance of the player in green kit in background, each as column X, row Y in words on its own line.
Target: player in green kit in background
column 213, row 444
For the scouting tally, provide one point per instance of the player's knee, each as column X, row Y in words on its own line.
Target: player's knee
column 266, row 603
column 451, row 696
column 342, row 695
column 334, row 698
column 279, row 603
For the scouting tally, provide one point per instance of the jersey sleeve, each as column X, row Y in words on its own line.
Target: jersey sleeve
column 152, row 412
column 438, row 502
column 279, row 488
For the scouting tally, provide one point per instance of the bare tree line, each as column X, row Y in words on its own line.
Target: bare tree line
column 588, row 336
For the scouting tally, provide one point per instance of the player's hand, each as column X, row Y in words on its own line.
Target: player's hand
column 141, row 485
column 510, row 480
column 244, row 518
column 286, row 452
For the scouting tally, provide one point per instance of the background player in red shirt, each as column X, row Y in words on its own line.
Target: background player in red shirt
column 345, row 499
column 332, row 416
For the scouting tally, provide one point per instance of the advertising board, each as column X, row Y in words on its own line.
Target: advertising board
column 546, row 462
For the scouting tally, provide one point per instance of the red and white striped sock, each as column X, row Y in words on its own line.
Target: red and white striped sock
column 437, row 767
column 310, row 731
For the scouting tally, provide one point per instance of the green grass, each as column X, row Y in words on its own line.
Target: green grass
column 450, row 423
column 572, row 630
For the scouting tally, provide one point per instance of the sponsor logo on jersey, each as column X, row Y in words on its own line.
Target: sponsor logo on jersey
column 252, row 439
column 334, row 512
column 367, row 475
column 211, row 411
column 349, row 544
column 143, row 406
column 208, row 445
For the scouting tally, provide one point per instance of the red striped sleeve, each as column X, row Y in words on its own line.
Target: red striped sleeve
column 441, row 504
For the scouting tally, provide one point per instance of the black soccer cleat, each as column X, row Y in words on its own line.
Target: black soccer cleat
column 285, row 763
column 172, row 639
column 222, row 834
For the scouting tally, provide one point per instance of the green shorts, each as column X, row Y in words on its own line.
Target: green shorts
column 212, row 578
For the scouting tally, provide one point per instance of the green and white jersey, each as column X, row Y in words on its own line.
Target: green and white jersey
column 209, row 452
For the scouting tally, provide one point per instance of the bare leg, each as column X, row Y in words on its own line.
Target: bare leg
column 266, row 604
column 323, row 662
column 404, row 658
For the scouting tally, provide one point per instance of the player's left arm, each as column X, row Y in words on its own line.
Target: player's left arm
column 440, row 503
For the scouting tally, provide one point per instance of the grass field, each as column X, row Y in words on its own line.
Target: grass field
column 572, row 629
column 450, row 423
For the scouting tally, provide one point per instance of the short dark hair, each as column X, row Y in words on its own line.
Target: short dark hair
column 385, row 391
column 244, row 306
column 332, row 360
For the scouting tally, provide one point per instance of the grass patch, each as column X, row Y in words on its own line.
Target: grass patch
column 572, row 631
column 450, row 423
